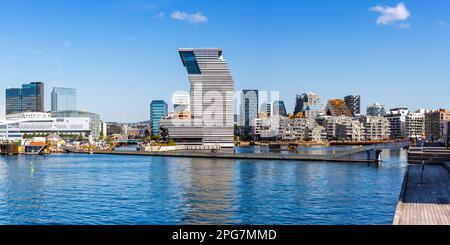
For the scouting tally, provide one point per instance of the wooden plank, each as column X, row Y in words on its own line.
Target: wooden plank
column 426, row 203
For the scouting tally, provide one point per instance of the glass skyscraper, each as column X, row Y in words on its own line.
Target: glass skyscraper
column 279, row 108
column 158, row 110
column 29, row 98
column 64, row 99
column 249, row 107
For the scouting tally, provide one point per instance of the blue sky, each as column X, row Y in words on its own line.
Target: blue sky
column 122, row 54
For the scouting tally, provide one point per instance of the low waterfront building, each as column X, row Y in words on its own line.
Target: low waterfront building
column 337, row 107
column 303, row 129
column 434, row 124
column 342, row 128
column 19, row 128
column 350, row 130
column 28, row 115
column 376, row 110
column 270, row 127
column 375, row 128
column 397, row 122
column 94, row 122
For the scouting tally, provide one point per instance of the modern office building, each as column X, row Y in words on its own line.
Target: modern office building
column 158, row 110
column 180, row 102
column 376, row 110
column 337, row 107
column 397, row 122
column 64, row 99
column 309, row 105
column 353, row 103
column 249, row 108
column 434, row 124
column 13, row 101
column 29, row 98
column 94, row 122
column 18, row 128
column 279, row 109
column 265, row 110
column 212, row 100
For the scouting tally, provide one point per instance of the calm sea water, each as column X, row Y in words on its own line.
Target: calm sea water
column 103, row 189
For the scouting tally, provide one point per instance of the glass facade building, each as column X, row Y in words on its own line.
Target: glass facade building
column 29, row 98
column 64, row 99
column 158, row 110
column 249, row 107
column 279, row 109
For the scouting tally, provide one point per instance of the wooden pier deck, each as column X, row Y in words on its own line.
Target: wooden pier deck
column 426, row 202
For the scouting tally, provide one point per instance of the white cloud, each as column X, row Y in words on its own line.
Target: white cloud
column 193, row 18
column 390, row 15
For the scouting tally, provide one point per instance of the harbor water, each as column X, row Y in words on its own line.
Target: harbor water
column 110, row 189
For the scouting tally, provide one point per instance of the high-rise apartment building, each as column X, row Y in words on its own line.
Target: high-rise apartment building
column 415, row 125
column 434, row 124
column 353, row 103
column 397, row 122
column 309, row 104
column 158, row 110
column 64, row 99
column 337, row 107
column 376, row 110
column 29, row 98
column 249, row 107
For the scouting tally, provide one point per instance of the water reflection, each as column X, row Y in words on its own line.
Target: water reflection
column 102, row 189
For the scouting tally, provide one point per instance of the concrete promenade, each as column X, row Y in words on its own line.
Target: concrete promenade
column 249, row 156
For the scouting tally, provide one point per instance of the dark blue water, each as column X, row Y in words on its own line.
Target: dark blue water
column 102, row 189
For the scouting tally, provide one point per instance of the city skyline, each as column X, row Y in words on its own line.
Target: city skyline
column 119, row 53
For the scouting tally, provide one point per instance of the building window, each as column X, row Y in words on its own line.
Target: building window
column 190, row 62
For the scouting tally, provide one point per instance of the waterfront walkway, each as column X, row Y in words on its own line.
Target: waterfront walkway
column 426, row 201
column 340, row 156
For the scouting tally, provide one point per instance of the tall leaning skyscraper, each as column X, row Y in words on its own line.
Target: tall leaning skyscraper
column 211, row 98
